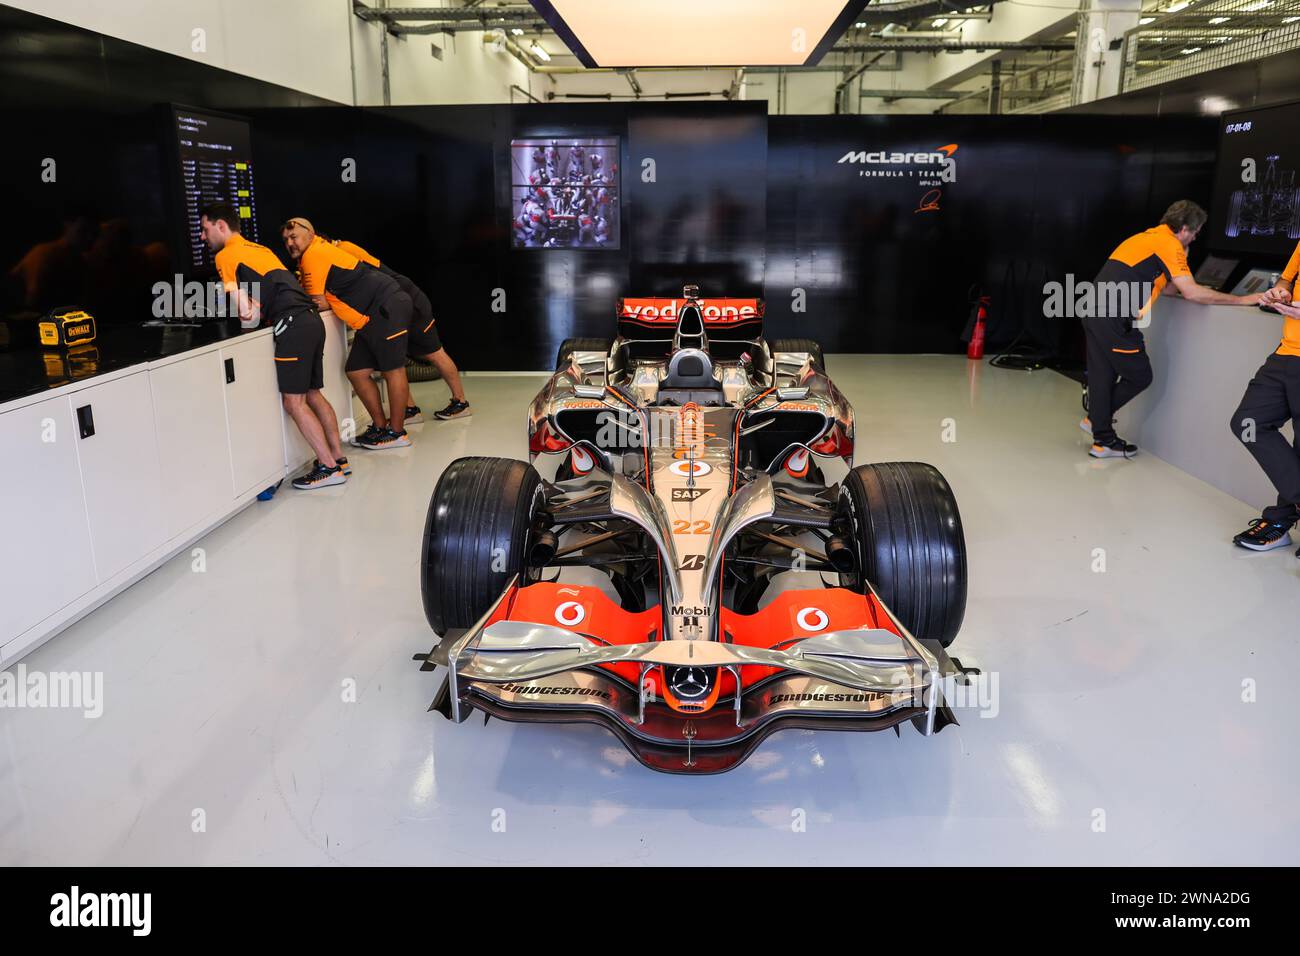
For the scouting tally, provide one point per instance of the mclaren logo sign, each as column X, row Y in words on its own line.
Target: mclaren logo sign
column 938, row 163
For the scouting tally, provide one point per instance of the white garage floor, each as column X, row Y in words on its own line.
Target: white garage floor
column 1121, row 734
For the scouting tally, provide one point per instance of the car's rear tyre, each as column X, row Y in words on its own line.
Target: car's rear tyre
column 475, row 537
column 418, row 371
column 910, row 544
column 569, row 346
column 803, row 345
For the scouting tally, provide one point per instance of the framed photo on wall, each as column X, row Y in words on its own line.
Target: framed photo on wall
column 564, row 193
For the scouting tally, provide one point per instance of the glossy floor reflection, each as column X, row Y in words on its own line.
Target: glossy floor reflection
column 1121, row 734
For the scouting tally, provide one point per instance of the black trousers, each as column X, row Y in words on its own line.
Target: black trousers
column 1118, row 371
column 1272, row 398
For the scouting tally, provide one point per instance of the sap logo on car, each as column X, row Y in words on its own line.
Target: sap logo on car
column 812, row 619
column 570, row 613
column 690, row 469
column 689, row 494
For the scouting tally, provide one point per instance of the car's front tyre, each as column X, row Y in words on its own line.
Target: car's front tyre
column 476, row 536
column 909, row 544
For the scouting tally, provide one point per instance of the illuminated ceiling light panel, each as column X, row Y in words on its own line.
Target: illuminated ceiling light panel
column 699, row 32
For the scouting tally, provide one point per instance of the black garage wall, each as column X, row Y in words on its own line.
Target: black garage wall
column 1035, row 197
column 431, row 197
column 90, row 104
column 743, row 203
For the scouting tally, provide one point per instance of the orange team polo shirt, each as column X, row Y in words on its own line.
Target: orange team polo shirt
column 1154, row 255
column 263, row 275
column 1291, row 327
column 352, row 249
column 353, row 292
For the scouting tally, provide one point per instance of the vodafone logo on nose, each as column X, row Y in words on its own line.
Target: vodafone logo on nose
column 570, row 613
column 812, row 619
column 690, row 469
column 582, row 460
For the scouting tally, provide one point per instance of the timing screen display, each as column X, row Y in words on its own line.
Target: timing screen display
column 216, row 160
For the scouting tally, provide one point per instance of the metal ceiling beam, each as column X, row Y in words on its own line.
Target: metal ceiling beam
column 393, row 14
column 901, row 11
column 927, row 45
column 461, row 26
column 909, row 94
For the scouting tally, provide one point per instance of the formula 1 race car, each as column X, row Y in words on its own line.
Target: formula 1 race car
column 684, row 574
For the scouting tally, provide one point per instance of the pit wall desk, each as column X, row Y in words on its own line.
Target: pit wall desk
column 1203, row 356
column 106, row 477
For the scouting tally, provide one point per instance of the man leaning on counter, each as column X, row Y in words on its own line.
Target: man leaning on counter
column 265, row 289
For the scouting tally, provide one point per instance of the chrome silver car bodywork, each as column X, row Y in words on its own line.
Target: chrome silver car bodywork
column 628, row 452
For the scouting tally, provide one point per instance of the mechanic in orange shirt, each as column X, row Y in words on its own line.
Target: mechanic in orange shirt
column 380, row 312
column 423, row 342
column 1119, row 368
column 1272, row 399
column 265, row 289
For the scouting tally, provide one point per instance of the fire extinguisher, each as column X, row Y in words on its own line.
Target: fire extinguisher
column 975, row 350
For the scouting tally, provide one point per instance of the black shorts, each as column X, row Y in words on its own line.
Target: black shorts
column 381, row 342
column 300, row 353
column 424, row 333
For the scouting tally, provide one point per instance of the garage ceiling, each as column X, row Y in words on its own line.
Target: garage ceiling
column 633, row 33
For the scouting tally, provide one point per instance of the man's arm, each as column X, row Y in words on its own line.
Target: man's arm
column 1193, row 291
column 250, row 310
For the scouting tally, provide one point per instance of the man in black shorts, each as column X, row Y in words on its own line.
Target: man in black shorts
column 1272, row 399
column 266, row 290
column 380, row 312
column 423, row 341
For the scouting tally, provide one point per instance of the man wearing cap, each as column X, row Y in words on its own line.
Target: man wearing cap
column 265, row 289
column 372, row 304
column 422, row 342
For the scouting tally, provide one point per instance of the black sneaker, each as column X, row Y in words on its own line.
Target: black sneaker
column 388, row 439
column 320, row 477
column 370, row 434
column 454, row 409
column 1116, row 448
column 1264, row 536
column 413, row 415
column 341, row 461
